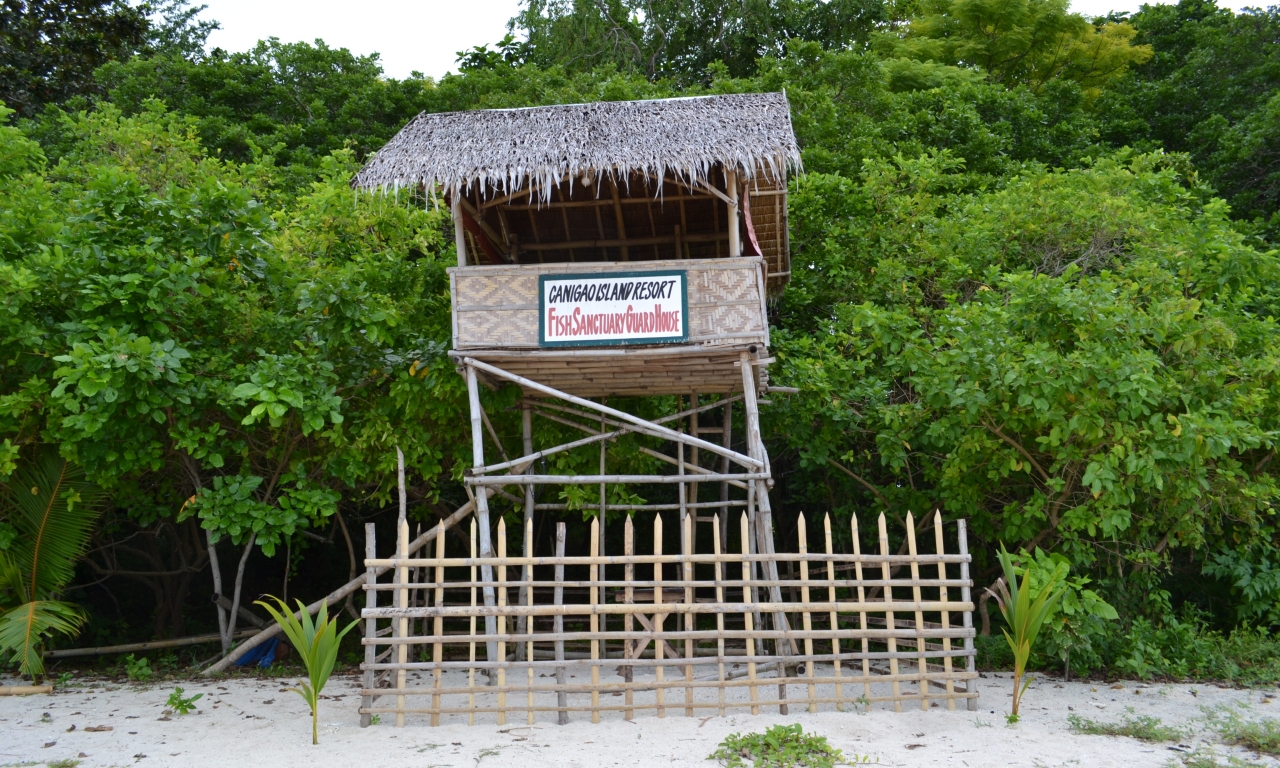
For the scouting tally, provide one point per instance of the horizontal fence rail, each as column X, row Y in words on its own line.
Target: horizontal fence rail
column 610, row 635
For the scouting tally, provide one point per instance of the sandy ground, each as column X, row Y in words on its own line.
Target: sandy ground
column 245, row 721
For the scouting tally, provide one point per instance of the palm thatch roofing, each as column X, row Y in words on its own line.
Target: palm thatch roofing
column 508, row 150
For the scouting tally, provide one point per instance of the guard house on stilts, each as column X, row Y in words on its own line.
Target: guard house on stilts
column 617, row 250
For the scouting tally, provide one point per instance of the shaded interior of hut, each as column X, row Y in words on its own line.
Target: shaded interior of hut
column 636, row 217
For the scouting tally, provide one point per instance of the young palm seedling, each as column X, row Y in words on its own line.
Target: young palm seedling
column 317, row 645
column 1024, row 613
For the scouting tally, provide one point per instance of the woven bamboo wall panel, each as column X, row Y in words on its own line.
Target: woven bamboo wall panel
column 497, row 306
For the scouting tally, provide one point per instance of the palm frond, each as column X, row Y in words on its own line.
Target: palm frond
column 24, row 629
column 53, row 507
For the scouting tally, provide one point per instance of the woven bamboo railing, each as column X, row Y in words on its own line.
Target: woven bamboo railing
column 685, row 632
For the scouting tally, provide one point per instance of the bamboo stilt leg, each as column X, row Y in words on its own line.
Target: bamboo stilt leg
column 595, row 624
column 482, row 507
column 726, row 441
column 946, row 615
column 526, row 433
column 562, row 698
column 888, row 616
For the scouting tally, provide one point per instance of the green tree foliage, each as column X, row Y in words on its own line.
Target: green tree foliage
column 994, row 310
column 1028, row 42
column 1210, row 90
column 49, row 50
column 681, row 40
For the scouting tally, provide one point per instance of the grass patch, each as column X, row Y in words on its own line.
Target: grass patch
column 1141, row 727
column 782, row 746
column 1203, row 758
column 1262, row 736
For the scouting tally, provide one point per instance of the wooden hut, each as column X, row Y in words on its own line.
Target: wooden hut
column 621, row 248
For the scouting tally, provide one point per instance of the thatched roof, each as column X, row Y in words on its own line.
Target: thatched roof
column 507, row 150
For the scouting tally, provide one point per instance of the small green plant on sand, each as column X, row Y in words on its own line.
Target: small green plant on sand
column 138, row 670
column 64, row 763
column 1262, row 736
column 375, row 720
column 1025, row 614
column 1142, row 728
column 181, row 705
column 1207, row 758
column 783, row 746
column 317, row 645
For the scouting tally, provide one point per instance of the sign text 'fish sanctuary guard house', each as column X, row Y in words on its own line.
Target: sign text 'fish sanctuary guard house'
column 614, row 251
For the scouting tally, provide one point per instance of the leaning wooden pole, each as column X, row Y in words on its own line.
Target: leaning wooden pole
column 352, row 586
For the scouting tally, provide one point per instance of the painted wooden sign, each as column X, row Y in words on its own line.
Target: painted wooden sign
column 618, row 308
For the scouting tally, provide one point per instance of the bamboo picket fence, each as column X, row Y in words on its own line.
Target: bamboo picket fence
column 685, row 632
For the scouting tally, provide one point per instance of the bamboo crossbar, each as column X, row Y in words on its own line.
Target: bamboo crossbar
column 650, row 684
column 902, row 632
column 637, row 661
column 725, row 583
column 611, row 479
column 662, row 641
column 453, row 562
column 582, row 609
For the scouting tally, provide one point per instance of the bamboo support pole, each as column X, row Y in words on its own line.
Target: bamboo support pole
column 471, row 659
column 888, row 616
column 371, row 624
column 832, row 621
column 402, row 600
column 687, row 545
column 502, row 623
column 658, row 617
column 946, row 615
column 595, row 627
column 719, row 579
column 526, row 444
column 528, row 594
column 967, row 620
column 628, row 598
column 601, row 517
column 802, row 532
column 735, row 238
column 747, row 616
column 727, row 441
column 437, row 649
column 562, row 700
column 922, row 663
